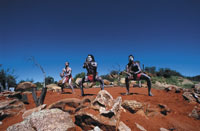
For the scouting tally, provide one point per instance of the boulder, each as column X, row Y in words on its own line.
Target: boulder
column 122, row 80
column 78, row 80
column 54, row 87
column 189, row 97
column 10, row 104
column 164, row 109
column 45, row 120
column 72, row 102
column 88, row 121
column 197, row 88
column 174, row 88
column 132, row 105
column 141, row 113
column 195, row 113
column 10, row 107
column 103, row 111
column 25, row 86
column 103, row 99
column 196, row 96
column 106, row 82
column 114, row 110
column 13, row 95
column 30, row 111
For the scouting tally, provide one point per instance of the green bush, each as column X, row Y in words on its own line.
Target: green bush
column 79, row 75
column 188, row 86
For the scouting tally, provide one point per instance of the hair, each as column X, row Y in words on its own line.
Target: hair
column 67, row 62
column 130, row 56
column 91, row 56
column 129, row 60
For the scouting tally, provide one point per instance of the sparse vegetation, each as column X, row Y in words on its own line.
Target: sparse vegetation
column 7, row 78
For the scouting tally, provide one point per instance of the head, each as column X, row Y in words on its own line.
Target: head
column 131, row 58
column 66, row 64
column 90, row 58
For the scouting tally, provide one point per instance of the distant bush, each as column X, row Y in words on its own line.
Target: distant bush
column 195, row 78
column 187, row 86
column 107, row 77
column 39, row 84
column 162, row 72
column 49, row 80
column 79, row 75
column 166, row 72
column 151, row 70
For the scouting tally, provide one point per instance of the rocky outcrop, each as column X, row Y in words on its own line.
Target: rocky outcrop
column 10, row 107
column 103, row 111
column 45, row 120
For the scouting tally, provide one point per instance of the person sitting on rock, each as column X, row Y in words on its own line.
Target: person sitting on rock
column 67, row 77
column 135, row 73
column 91, row 67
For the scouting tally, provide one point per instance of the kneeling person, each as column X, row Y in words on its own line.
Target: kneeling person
column 67, row 77
column 91, row 67
column 134, row 73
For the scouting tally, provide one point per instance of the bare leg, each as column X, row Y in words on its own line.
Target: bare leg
column 99, row 79
column 71, row 86
column 127, row 85
column 148, row 79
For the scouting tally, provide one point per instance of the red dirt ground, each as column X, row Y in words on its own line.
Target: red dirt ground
column 177, row 118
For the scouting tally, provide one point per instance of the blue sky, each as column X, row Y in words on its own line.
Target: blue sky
column 161, row 33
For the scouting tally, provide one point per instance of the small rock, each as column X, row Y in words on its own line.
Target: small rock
column 122, row 80
column 189, row 97
column 164, row 109
column 163, row 129
column 195, row 113
column 140, row 127
column 141, row 113
column 132, row 106
column 123, row 127
column 96, row 128
column 197, row 88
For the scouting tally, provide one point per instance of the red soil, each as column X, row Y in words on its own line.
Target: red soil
column 178, row 117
